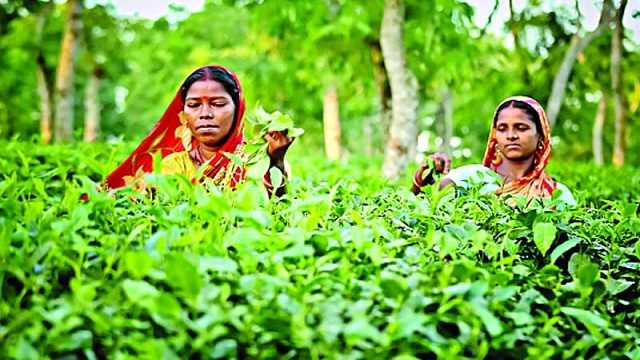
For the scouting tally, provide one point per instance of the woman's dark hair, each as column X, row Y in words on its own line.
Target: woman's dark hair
column 532, row 114
column 212, row 73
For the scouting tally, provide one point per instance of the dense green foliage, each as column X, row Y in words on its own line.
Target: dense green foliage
column 346, row 266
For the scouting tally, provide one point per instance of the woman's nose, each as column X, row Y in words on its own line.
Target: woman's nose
column 206, row 111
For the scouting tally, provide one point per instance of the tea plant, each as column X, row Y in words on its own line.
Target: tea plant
column 345, row 266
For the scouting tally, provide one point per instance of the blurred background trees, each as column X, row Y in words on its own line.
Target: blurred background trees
column 361, row 77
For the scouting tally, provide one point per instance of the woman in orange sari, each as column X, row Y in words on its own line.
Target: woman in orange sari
column 201, row 126
column 517, row 153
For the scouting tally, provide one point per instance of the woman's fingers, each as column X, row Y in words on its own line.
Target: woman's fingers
column 442, row 162
column 278, row 142
column 278, row 136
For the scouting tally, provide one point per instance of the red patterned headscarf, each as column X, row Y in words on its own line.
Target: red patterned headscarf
column 164, row 138
column 536, row 183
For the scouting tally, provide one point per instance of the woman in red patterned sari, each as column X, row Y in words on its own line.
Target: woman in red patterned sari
column 203, row 124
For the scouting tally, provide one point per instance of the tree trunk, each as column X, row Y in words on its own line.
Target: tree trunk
column 577, row 45
column 45, row 101
column 382, row 83
column 65, row 73
column 92, row 107
column 402, row 132
column 445, row 120
column 331, row 122
column 598, row 124
column 43, row 85
column 617, row 87
column 367, row 133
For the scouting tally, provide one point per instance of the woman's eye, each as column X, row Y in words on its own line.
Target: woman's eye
column 193, row 105
column 219, row 104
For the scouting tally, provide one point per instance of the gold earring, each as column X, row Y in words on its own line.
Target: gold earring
column 497, row 158
column 183, row 132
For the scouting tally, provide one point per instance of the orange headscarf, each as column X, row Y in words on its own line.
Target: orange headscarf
column 165, row 139
column 536, row 183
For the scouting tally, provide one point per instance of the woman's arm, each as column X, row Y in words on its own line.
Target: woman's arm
column 278, row 144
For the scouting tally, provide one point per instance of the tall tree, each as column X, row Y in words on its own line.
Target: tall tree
column 331, row 122
column 404, row 102
column 616, row 85
column 100, row 41
column 576, row 46
column 92, row 105
column 598, row 125
column 444, row 119
column 45, row 100
column 65, row 73
column 382, row 82
column 44, row 87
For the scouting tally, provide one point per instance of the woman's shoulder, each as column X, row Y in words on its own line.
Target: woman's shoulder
column 565, row 194
column 178, row 155
column 473, row 172
column 176, row 163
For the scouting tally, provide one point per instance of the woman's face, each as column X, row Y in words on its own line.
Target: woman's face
column 209, row 111
column 516, row 135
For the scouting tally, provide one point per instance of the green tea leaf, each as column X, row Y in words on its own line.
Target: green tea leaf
column 276, row 177
column 224, row 349
column 138, row 263
column 615, row 286
column 295, row 132
column 563, row 248
column 583, row 270
column 543, row 235
column 137, row 290
column 588, row 318
column 77, row 340
column 218, row 264
column 490, row 321
column 183, row 275
column 280, row 122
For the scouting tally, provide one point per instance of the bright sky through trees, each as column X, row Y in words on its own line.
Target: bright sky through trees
column 157, row 8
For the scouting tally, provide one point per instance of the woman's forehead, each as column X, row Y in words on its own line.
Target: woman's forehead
column 210, row 88
column 511, row 114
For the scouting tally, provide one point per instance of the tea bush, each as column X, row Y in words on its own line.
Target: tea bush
column 345, row 266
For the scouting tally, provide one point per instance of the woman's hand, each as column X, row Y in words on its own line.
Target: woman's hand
column 442, row 165
column 441, row 162
column 277, row 145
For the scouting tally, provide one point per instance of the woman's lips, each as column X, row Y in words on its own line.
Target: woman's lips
column 512, row 146
column 207, row 129
column 207, row 126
